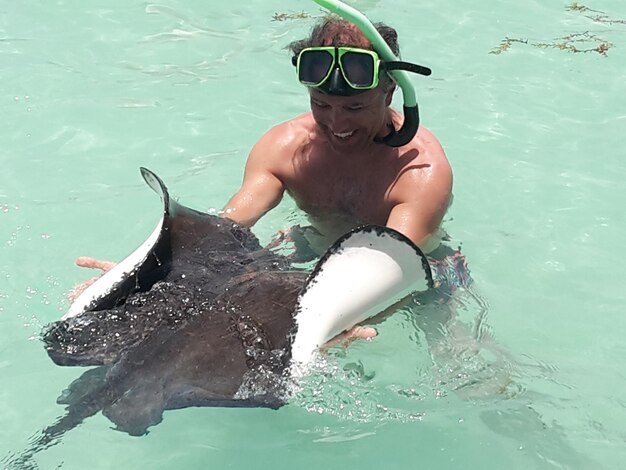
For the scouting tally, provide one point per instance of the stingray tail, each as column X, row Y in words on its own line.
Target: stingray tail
column 84, row 398
column 45, row 439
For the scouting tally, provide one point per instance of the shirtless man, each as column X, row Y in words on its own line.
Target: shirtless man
column 332, row 163
column 333, row 160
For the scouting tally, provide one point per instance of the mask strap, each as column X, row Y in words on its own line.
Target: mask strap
column 409, row 67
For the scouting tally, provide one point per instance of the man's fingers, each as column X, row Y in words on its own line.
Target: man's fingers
column 344, row 339
column 362, row 332
column 87, row 262
column 77, row 290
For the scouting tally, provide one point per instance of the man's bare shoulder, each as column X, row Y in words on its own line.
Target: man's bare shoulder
column 275, row 150
column 428, row 146
column 424, row 156
column 426, row 171
column 288, row 136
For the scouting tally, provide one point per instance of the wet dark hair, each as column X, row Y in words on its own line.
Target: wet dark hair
column 333, row 30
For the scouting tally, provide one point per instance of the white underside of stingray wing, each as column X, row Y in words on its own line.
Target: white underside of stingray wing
column 131, row 264
column 115, row 276
column 366, row 272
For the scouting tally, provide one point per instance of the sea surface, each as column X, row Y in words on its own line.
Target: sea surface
column 523, row 370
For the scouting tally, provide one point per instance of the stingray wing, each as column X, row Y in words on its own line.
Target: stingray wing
column 363, row 273
column 179, row 230
column 138, row 271
column 101, row 324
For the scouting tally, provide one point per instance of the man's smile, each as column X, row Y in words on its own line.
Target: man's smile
column 343, row 135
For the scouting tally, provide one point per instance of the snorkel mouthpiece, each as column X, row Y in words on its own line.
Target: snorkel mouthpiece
column 409, row 128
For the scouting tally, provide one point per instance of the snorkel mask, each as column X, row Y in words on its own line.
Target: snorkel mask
column 348, row 71
column 345, row 71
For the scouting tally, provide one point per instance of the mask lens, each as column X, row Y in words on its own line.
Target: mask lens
column 358, row 69
column 314, row 66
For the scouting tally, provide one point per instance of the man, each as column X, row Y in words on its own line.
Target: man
column 334, row 162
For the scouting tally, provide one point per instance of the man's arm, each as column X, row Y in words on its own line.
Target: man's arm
column 422, row 196
column 261, row 189
column 418, row 223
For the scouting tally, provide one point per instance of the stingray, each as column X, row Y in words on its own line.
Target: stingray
column 202, row 315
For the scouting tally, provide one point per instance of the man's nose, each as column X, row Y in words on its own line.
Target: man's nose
column 337, row 119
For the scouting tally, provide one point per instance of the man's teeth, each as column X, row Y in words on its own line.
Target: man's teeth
column 343, row 135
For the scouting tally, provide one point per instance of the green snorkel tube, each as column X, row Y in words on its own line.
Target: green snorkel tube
column 397, row 70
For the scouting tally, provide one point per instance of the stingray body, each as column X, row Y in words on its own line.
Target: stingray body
column 202, row 315
column 196, row 314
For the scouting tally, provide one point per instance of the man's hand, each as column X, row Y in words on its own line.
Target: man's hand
column 345, row 339
column 86, row 262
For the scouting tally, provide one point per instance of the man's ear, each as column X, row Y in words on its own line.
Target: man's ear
column 389, row 96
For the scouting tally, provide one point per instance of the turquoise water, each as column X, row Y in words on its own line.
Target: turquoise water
column 90, row 91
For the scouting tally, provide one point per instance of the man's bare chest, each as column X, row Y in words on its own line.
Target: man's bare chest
column 356, row 194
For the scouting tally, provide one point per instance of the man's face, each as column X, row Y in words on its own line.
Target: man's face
column 351, row 122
